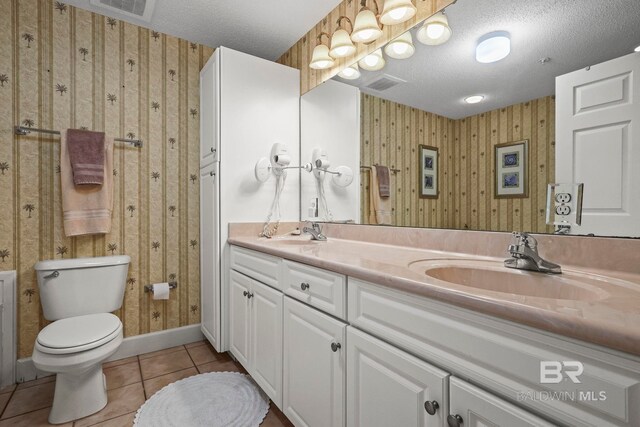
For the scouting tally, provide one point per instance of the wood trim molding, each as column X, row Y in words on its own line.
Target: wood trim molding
column 299, row 55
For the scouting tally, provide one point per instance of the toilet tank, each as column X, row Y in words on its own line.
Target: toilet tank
column 81, row 285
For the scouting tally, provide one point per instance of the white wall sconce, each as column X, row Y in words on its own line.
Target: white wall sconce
column 373, row 62
column 397, row 11
column 435, row 30
column 341, row 44
column 401, row 47
column 366, row 28
column 320, row 59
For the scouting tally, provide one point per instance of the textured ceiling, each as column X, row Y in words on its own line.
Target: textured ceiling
column 265, row 28
column 573, row 33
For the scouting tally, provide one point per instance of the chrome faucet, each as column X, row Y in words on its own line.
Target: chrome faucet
column 315, row 231
column 524, row 255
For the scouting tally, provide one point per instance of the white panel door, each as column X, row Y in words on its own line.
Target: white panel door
column 266, row 340
column 474, row 407
column 596, row 143
column 239, row 317
column 209, row 255
column 209, row 111
column 387, row 387
column 314, row 371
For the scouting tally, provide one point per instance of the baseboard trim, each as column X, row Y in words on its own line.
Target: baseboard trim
column 131, row 346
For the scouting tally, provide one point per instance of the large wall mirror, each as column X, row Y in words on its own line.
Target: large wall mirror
column 470, row 130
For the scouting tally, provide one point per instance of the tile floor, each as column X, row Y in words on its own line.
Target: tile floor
column 129, row 381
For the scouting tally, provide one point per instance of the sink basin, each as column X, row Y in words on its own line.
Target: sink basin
column 493, row 276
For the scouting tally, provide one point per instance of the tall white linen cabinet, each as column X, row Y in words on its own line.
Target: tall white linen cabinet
column 246, row 105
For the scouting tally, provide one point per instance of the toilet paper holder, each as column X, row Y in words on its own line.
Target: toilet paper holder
column 149, row 288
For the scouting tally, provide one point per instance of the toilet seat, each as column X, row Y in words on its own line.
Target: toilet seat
column 80, row 333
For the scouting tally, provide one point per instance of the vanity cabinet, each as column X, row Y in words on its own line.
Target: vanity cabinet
column 255, row 322
column 389, row 387
column 314, row 367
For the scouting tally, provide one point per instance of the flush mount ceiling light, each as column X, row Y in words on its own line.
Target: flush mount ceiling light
column 473, row 99
column 401, row 48
column 637, row 49
column 320, row 59
column 397, row 11
column 341, row 44
column 435, row 30
column 350, row 73
column 366, row 28
column 372, row 62
column 493, row 47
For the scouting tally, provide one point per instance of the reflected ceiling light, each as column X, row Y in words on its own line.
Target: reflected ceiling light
column 493, row 47
column 341, row 44
column 366, row 28
column 372, row 62
column 397, row 11
column 350, row 73
column 435, row 30
column 637, row 49
column 473, row 99
column 401, row 47
column 320, row 59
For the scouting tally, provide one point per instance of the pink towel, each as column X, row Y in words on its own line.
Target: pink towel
column 86, row 153
column 86, row 208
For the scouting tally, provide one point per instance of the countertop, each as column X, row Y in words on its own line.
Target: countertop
column 608, row 316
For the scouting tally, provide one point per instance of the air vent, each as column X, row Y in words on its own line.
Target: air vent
column 139, row 9
column 384, row 82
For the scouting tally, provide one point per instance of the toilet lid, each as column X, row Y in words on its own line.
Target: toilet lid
column 79, row 333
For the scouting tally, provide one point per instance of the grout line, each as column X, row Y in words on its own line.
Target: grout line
column 108, row 419
column 8, row 401
column 144, row 389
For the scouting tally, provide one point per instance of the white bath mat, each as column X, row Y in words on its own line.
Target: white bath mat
column 214, row 399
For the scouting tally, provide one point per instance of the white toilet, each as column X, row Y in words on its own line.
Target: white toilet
column 79, row 296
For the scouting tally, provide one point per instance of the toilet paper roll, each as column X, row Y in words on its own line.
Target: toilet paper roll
column 160, row 291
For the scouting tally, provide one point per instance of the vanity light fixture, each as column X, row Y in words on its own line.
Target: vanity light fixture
column 352, row 72
column 373, row 62
column 637, row 49
column 493, row 47
column 435, row 30
column 474, row 99
column 401, row 47
column 366, row 28
column 320, row 59
column 341, row 44
column 397, row 11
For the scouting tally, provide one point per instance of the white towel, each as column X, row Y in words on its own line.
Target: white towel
column 86, row 209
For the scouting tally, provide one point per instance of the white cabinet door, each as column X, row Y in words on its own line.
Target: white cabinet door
column 314, row 371
column 239, row 317
column 474, row 407
column 266, row 340
column 209, row 108
column 209, row 255
column 388, row 387
column 598, row 144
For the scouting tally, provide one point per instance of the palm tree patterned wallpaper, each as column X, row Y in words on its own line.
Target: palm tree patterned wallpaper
column 64, row 67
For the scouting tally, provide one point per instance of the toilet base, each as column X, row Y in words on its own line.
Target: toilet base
column 78, row 395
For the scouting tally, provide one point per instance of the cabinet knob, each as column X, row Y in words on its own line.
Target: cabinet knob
column 335, row 346
column 454, row 420
column 304, row 286
column 213, row 150
column 250, row 296
column 245, row 293
column 431, row 407
column 212, row 173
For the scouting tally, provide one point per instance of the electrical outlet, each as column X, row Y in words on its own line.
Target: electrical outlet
column 563, row 197
column 563, row 210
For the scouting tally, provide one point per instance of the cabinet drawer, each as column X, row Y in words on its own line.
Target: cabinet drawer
column 262, row 267
column 504, row 357
column 322, row 289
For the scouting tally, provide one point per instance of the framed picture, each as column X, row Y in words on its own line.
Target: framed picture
column 428, row 172
column 511, row 169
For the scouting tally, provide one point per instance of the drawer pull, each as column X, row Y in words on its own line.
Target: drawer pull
column 454, row 420
column 213, row 150
column 304, row 286
column 250, row 295
column 431, row 407
column 245, row 293
column 335, row 346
